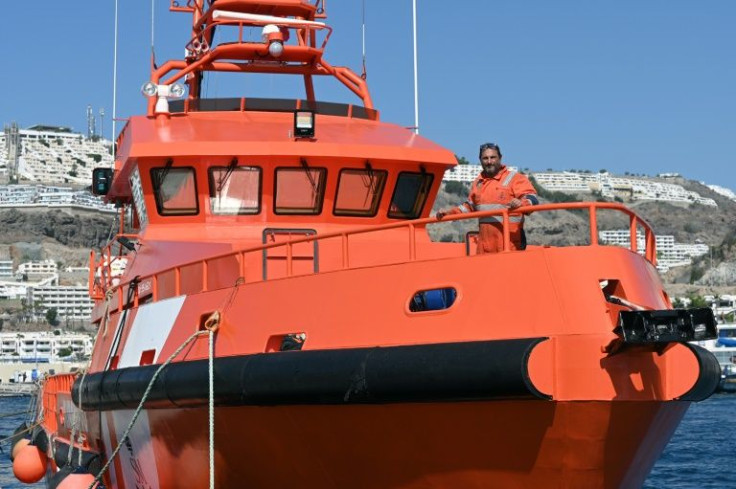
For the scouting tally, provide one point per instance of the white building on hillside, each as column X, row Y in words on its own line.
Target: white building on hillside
column 669, row 253
column 627, row 188
column 35, row 269
column 6, row 268
column 13, row 290
column 726, row 192
column 43, row 346
column 51, row 196
column 466, row 173
column 52, row 154
column 70, row 302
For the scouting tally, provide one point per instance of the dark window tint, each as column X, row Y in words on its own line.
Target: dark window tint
column 175, row 190
column 410, row 195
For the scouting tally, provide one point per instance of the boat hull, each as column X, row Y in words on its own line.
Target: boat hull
column 529, row 443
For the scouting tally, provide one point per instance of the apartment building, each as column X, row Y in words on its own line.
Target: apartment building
column 51, row 196
column 70, row 302
column 626, row 188
column 36, row 269
column 669, row 253
column 43, row 347
column 6, row 269
column 57, row 155
column 466, row 173
column 12, row 290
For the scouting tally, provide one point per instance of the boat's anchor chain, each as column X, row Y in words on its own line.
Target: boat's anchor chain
column 211, row 325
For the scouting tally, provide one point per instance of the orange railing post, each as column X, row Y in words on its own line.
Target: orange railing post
column 345, row 257
column 506, row 231
column 289, row 256
column 412, row 243
column 177, row 281
column 632, row 234
column 205, row 271
column 651, row 247
column 593, row 220
column 241, row 255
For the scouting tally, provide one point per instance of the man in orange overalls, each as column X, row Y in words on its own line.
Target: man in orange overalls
column 495, row 188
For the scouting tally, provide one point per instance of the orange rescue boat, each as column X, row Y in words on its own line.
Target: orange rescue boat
column 284, row 320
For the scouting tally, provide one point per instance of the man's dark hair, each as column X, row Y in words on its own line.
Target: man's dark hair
column 486, row 146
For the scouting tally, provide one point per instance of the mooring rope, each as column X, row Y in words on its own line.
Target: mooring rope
column 211, row 403
column 146, row 393
column 27, row 430
column 106, row 315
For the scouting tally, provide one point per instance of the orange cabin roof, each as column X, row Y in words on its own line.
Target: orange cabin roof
column 270, row 134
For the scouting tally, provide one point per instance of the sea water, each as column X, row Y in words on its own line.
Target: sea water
column 700, row 454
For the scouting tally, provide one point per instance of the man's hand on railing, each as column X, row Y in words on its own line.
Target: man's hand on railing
column 440, row 215
column 515, row 203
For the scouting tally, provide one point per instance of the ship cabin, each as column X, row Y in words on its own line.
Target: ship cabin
column 244, row 174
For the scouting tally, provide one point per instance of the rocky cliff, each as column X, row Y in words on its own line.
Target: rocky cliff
column 63, row 235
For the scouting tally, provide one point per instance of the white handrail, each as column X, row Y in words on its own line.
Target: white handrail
column 257, row 19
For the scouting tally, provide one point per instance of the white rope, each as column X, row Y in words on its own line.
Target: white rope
column 81, row 411
column 127, row 431
column 212, row 407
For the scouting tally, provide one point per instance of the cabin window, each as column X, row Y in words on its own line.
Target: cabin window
column 235, row 190
column 410, row 195
column 359, row 192
column 299, row 190
column 175, row 190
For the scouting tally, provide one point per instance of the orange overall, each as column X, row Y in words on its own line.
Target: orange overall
column 496, row 192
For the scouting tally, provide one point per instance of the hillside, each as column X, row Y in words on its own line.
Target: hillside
column 62, row 235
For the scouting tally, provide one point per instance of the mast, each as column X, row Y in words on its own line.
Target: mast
column 291, row 41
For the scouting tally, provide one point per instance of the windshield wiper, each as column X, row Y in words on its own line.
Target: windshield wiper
column 164, row 173
column 230, row 169
column 312, row 181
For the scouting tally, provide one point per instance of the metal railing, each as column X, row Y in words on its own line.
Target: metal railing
column 103, row 282
column 52, row 412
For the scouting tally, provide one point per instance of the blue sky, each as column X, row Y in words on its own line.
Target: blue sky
column 640, row 86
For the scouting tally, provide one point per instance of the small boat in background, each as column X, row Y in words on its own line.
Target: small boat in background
column 728, row 378
column 284, row 320
column 724, row 349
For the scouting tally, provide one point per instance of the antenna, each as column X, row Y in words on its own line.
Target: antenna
column 114, row 82
column 91, row 130
column 102, row 123
column 364, row 75
column 416, row 82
